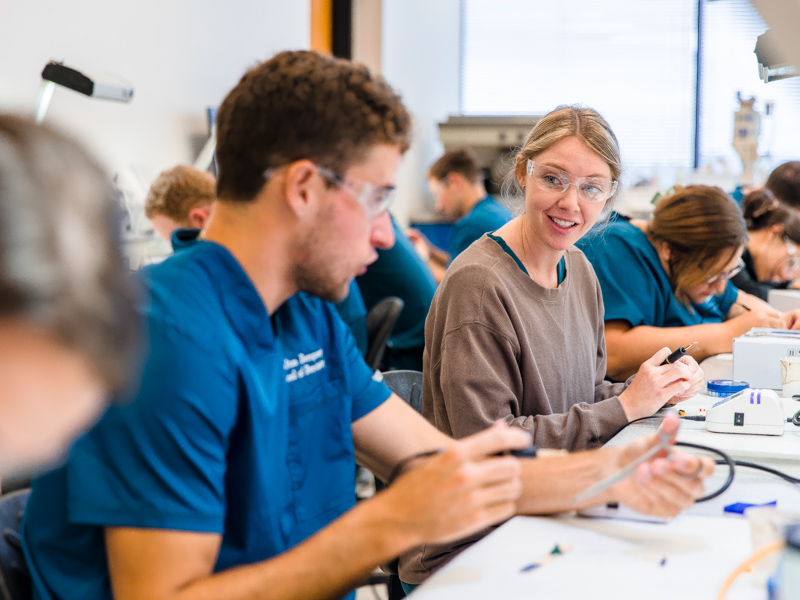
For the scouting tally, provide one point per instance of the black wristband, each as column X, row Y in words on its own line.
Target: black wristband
column 529, row 452
column 400, row 467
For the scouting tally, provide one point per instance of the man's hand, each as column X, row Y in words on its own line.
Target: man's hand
column 421, row 243
column 662, row 486
column 656, row 385
column 462, row 490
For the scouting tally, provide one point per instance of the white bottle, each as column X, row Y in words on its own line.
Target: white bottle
column 789, row 588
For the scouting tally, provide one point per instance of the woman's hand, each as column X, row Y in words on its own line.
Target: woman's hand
column 791, row 319
column 755, row 318
column 696, row 381
column 656, row 385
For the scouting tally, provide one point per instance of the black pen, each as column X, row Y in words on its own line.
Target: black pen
column 679, row 353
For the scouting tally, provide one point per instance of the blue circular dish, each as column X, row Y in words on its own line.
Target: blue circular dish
column 719, row 388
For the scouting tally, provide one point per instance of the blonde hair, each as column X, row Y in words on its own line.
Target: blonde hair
column 586, row 124
column 701, row 224
column 175, row 192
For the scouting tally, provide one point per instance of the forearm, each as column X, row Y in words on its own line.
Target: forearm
column 582, row 427
column 327, row 565
column 391, row 433
column 439, row 256
column 437, row 269
column 549, row 483
column 628, row 350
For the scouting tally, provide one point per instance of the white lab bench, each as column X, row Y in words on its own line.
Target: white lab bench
column 622, row 559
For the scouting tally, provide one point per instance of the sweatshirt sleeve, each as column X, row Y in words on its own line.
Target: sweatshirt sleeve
column 479, row 382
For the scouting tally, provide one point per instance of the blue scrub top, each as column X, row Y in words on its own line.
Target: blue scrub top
column 241, row 427
column 354, row 314
column 487, row 215
column 399, row 271
column 635, row 286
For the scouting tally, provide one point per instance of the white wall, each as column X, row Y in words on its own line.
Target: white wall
column 421, row 59
column 180, row 56
column 183, row 56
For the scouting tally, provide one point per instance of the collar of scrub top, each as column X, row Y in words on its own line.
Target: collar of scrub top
column 241, row 302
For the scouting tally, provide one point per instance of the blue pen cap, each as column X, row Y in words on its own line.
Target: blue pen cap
column 720, row 388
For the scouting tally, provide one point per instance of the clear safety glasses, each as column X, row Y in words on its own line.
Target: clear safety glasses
column 726, row 274
column 590, row 189
column 374, row 199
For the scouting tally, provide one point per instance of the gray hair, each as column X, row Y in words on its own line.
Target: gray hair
column 61, row 267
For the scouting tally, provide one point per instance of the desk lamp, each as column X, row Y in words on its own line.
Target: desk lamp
column 58, row 73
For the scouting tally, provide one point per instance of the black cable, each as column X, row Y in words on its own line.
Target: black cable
column 726, row 460
column 613, row 435
column 770, row 470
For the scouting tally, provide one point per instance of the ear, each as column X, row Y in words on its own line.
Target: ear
column 198, row 216
column 520, row 169
column 301, row 189
column 777, row 230
column 666, row 252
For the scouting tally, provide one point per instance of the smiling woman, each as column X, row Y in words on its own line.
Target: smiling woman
column 668, row 283
column 515, row 330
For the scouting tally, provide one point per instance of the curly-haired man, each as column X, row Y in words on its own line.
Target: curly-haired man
column 180, row 197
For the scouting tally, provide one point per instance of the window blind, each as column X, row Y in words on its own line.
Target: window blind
column 728, row 66
column 635, row 61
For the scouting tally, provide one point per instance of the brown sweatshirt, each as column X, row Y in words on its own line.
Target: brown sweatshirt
column 500, row 346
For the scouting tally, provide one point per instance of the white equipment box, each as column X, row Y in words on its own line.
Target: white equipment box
column 757, row 355
column 758, row 412
column 784, row 300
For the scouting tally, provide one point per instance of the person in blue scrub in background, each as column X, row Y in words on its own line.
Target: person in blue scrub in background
column 399, row 271
column 668, row 283
column 456, row 184
column 231, row 469
column 180, row 197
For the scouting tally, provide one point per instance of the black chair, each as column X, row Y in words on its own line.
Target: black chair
column 380, row 323
column 15, row 580
column 407, row 385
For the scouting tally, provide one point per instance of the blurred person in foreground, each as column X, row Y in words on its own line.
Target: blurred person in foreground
column 67, row 320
